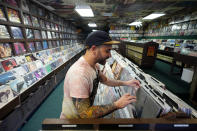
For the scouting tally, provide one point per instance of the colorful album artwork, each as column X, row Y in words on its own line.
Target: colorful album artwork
column 19, row 71
column 18, row 85
column 27, row 19
column 32, row 66
column 38, row 46
column 39, row 63
column 31, row 46
column 19, row 48
column 49, row 34
column 8, row 64
column 13, row 16
column 30, row 58
column 2, row 14
column 44, row 36
column 25, row 5
column 29, row 33
column 48, row 68
column 37, row 34
column 25, row 67
column 45, row 45
column 6, row 95
column 1, row 69
column 11, row 2
column 20, row 60
column 35, row 21
column 6, row 77
column 53, row 65
column 5, row 50
column 30, row 79
column 16, row 32
column 4, row 32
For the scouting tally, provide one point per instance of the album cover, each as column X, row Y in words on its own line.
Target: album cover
column 29, row 33
column 19, row 48
column 53, row 34
column 44, row 36
column 25, row 67
column 40, row 73
column 35, row 21
column 13, row 16
column 30, row 58
column 44, row 44
column 49, row 34
column 52, row 26
column 30, row 79
column 12, row 2
column 2, row 14
column 58, row 43
column 6, row 95
column 54, row 44
column 1, row 69
column 31, row 46
column 19, row 71
column 33, row 9
column 47, row 25
column 42, row 23
column 5, row 50
column 18, row 85
column 8, row 64
column 6, row 77
column 24, row 5
column 16, row 32
column 39, row 63
column 53, row 65
column 27, row 19
column 37, row 34
column 117, row 71
column 48, row 68
column 4, row 32
column 38, row 46
column 20, row 60
column 32, row 66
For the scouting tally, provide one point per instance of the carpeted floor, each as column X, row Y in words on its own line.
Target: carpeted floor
column 51, row 107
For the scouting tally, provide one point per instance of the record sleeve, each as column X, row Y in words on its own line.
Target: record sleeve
column 31, row 46
column 47, row 25
column 13, row 16
column 56, row 27
column 18, row 85
column 27, row 19
column 29, row 33
column 6, row 95
column 53, row 34
column 42, row 24
column 49, row 34
column 37, row 34
column 5, row 50
column 50, row 44
column 20, row 60
column 38, row 46
column 30, row 79
column 33, row 9
column 58, row 43
column 32, row 66
column 12, row 2
column 44, row 44
column 52, row 26
column 6, row 77
column 2, row 14
column 19, row 71
column 25, row 67
column 48, row 68
column 4, row 32
column 54, row 44
column 35, row 21
column 30, row 58
column 39, row 63
column 24, row 5
column 19, row 48
column 44, row 35
column 8, row 64
column 1, row 69
column 16, row 32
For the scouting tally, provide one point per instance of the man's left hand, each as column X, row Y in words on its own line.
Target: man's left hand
column 133, row 83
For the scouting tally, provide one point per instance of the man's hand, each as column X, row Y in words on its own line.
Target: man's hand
column 133, row 82
column 124, row 101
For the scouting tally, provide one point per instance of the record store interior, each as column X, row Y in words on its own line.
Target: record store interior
column 40, row 40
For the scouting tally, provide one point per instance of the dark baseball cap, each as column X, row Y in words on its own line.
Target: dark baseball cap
column 99, row 38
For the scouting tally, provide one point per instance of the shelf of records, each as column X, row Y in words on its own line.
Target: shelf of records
column 175, row 29
column 153, row 99
column 37, row 17
column 19, row 73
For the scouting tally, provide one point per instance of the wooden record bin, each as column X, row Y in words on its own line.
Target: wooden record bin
column 143, row 54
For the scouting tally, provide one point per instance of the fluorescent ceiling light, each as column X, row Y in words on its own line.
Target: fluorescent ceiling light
column 84, row 10
column 92, row 25
column 153, row 16
column 136, row 23
column 94, row 30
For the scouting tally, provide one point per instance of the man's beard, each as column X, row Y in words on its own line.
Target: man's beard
column 102, row 61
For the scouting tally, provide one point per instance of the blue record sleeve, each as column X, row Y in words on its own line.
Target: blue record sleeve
column 16, row 32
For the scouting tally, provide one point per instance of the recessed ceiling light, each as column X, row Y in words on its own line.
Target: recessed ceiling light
column 92, row 25
column 84, row 10
column 153, row 16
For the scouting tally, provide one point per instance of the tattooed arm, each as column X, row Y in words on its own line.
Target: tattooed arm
column 86, row 111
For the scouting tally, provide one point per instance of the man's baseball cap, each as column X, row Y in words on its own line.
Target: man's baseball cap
column 99, row 38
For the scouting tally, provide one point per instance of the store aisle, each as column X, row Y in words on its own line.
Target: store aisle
column 50, row 108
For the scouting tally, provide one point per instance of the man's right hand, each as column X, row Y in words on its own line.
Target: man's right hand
column 124, row 101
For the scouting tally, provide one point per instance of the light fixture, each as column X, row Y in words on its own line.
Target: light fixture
column 94, row 30
column 153, row 16
column 84, row 10
column 136, row 23
column 92, row 25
